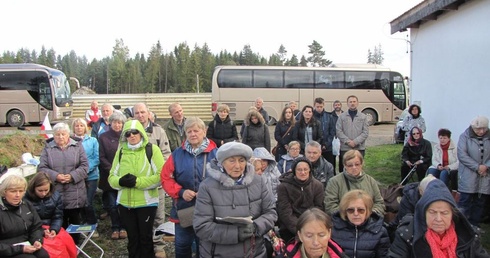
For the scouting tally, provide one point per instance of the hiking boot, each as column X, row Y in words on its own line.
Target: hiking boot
column 115, row 235
column 161, row 254
column 123, row 234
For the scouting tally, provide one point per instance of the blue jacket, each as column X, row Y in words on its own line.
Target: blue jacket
column 327, row 123
column 50, row 209
column 91, row 147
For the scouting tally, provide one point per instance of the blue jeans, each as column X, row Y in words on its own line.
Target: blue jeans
column 183, row 241
column 471, row 205
column 443, row 175
column 109, row 199
column 90, row 217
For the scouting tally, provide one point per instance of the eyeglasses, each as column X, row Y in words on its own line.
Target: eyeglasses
column 359, row 210
column 416, row 134
column 132, row 131
column 353, row 165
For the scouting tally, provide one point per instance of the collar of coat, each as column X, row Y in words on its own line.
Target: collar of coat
column 217, row 173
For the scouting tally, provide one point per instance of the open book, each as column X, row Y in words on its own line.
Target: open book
column 236, row 220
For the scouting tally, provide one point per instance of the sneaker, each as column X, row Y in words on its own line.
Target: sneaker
column 96, row 234
column 161, row 254
column 123, row 234
column 115, row 235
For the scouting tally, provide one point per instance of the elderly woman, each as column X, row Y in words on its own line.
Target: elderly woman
column 284, row 164
column 181, row 176
column 298, row 191
column 307, row 129
column 474, row 161
column 413, row 119
column 222, row 130
column 135, row 174
column 91, row 147
column 416, row 154
column 445, row 159
column 109, row 142
column 268, row 168
column 21, row 232
column 256, row 131
column 49, row 207
column 233, row 190
column 283, row 132
column 64, row 160
column 352, row 178
column 314, row 231
column 357, row 229
column 437, row 229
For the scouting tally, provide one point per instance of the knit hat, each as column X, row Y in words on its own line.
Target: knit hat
column 297, row 161
column 425, row 182
column 231, row 149
column 480, row 122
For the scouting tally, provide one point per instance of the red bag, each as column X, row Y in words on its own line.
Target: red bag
column 61, row 246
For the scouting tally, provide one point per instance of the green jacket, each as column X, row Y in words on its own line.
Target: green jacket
column 145, row 193
column 173, row 134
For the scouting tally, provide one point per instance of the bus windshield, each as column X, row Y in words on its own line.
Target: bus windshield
column 61, row 89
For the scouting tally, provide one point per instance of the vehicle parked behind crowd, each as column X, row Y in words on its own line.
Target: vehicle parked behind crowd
column 398, row 133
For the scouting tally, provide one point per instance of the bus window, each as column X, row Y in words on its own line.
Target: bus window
column 45, row 98
column 299, row 79
column 360, row 80
column 329, row 79
column 267, row 79
column 235, row 79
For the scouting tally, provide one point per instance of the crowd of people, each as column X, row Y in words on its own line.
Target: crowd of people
column 231, row 190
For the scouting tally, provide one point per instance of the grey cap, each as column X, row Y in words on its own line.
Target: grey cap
column 231, row 149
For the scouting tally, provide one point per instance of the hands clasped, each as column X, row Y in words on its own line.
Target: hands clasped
column 245, row 231
column 128, row 180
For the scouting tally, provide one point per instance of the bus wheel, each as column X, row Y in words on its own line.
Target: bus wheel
column 372, row 117
column 15, row 118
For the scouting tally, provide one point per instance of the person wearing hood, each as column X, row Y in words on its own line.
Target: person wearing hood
column 222, row 129
column 416, row 153
column 413, row 119
column 65, row 161
column 233, row 189
column 268, row 169
column 255, row 131
column 352, row 178
column 136, row 177
column 284, row 164
column 181, row 176
column 358, row 229
column 437, row 229
column 473, row 171
column 298, row 191
column 19, row 221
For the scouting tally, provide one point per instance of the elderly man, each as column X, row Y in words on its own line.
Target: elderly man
column 322, row 169
column 102, row 125
column 157, row 136
column 259, row 102
column 175, row 126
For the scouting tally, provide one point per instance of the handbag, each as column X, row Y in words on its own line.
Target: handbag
column 274, row 150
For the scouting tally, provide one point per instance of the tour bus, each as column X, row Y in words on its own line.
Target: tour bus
column 29, row 91
column 381, row 92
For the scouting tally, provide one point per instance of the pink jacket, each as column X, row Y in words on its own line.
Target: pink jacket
column 330, row 250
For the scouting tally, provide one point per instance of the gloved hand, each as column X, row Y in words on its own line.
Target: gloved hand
column 128, row 180
column 245, row 232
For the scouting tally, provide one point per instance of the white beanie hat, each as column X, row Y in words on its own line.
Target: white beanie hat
column 231, row 149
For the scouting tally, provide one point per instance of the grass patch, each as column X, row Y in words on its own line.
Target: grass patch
column 14, row 145
column 383, row 162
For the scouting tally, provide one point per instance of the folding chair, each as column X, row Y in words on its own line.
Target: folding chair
column 409, row 175
column 87, row 231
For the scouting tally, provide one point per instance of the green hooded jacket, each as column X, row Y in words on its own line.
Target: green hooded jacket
column 134, row 161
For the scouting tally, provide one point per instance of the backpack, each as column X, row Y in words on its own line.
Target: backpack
column 392, row 196
column 148, row 151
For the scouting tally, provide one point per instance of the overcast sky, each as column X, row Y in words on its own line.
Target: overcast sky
column 345, row 28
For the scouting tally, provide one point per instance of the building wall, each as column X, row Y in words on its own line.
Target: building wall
column 451, row 68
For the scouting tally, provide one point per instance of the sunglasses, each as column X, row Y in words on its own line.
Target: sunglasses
column 132, row 131
column 416, row 134
column 359, row 210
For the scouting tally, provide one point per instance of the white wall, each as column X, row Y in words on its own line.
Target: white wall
column 451, row 68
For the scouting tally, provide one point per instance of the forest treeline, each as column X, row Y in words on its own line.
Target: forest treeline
column 182, row 70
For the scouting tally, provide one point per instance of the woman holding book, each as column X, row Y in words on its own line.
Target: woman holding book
column 232, row 189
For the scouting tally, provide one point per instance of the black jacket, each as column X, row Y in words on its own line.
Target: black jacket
column 219, row 130
column 49, row 209
column 300, row 129
column 18, row 224
column 367, row 240
column 414, row 153
column 410, row 197
column 282, row 138
column 410, row 236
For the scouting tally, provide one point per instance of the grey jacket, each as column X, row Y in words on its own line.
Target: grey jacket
column 158, row 136
column 469, row 156
column 271, row 173
column 71, row 160
column 220, row 196
column 356, row 130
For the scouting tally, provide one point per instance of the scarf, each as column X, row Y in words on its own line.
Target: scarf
column 135, row 146
column 442, row 246
column 411, row 140
column 445, row 155
column 204, row 145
